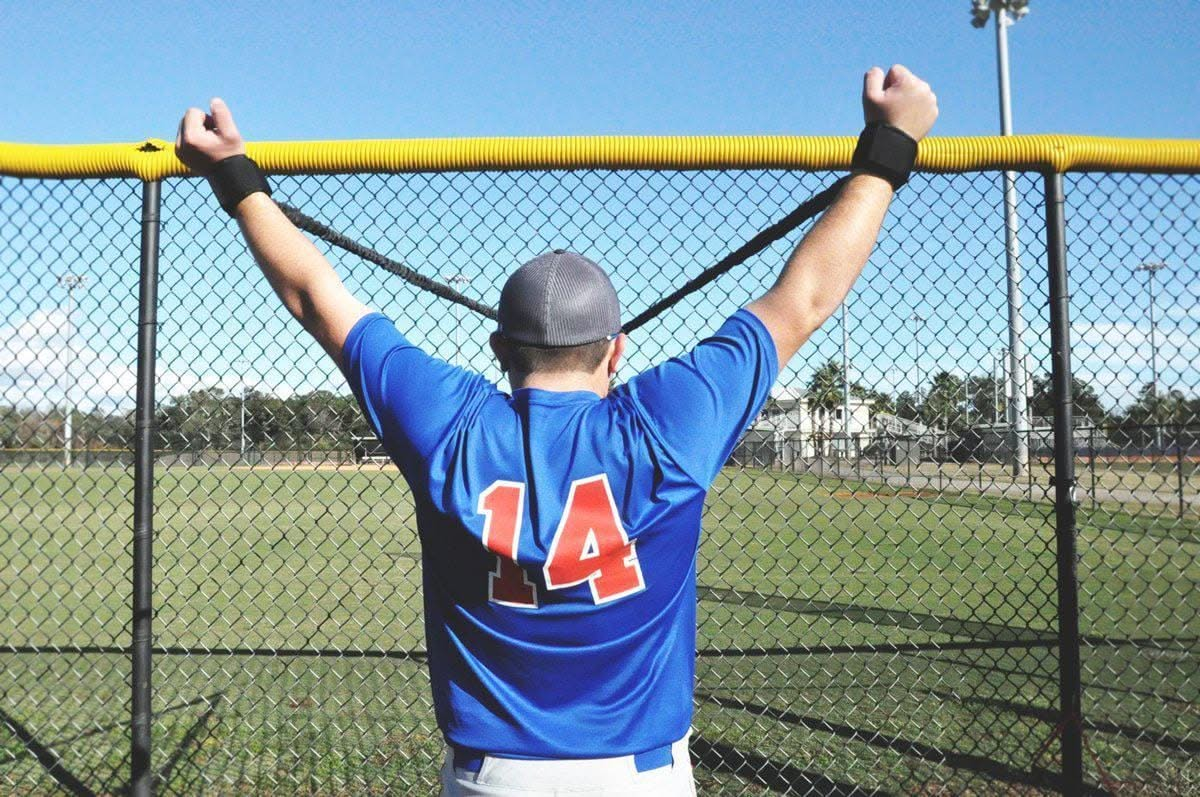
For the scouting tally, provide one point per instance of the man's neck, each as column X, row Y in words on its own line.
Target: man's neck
column 562, row 382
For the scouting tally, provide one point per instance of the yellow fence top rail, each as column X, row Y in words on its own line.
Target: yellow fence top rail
column 154, row 159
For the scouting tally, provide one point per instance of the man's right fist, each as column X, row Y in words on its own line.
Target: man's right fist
column 204, row 139
column 900, row 99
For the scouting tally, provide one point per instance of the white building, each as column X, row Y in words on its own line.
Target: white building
column 800, row 431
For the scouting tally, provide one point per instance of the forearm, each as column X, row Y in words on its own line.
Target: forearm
column 299, row 274
column 827, row 262
column 287, row 258
column 823, row 268
column 210, row 145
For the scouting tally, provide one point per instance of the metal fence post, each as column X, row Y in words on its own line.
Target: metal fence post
column 1092, row 461
column 1070, row 698
column 1028, row 469
column 141, row 777
column 1179, row 465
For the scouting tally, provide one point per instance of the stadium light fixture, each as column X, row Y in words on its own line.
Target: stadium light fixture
column 1007, row 12
column 981, row 10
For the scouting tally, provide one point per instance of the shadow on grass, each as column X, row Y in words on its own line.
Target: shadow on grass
column 919, row 621
column 166, row 781
column 982, row 765
column 114, row 726
column 45, row 756
column 1051, row 717
column 757, row 769
column 117, row 780
column 879, row 647
column 175, row 650
column 181, row 770
column 1051, row 677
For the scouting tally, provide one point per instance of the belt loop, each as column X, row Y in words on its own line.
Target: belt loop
column 653, row 759
column 467, row 760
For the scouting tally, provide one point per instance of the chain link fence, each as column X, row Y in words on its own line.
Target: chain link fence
column 879, row 598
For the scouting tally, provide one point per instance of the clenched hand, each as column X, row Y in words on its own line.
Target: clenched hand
column 900, row 99
column 204, row 139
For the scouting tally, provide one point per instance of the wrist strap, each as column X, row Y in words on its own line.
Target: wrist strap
column 235, row 178
column 886, row 152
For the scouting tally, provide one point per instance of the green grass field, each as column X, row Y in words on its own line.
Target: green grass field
column 903, row 644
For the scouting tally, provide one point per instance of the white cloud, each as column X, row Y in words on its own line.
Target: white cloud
column 1116, row 357
column 37, row 368
column 1122, row 344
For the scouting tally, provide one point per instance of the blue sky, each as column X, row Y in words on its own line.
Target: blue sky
column 74, row 74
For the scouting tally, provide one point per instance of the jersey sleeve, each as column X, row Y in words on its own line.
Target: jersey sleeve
column 700, row 404
column 411, row 400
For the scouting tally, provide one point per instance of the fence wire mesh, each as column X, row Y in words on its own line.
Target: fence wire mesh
column 68, row 296
column 1135, row 247
column 878, row 604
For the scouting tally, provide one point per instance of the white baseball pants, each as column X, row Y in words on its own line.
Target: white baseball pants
column 595, row 777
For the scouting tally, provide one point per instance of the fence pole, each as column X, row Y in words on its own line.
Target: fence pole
column 1028, row 469
column 141, row 777
column 1070, row 699
column 1092, row 460
column 1179, row 465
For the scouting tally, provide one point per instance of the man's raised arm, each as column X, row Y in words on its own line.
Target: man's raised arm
column 300, row 275
column 823, row 268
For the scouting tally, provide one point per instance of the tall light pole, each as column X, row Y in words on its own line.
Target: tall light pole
column 457, row 279
column 71, row 282
column 918, row 323
column 967, row 402
column 242, row 364
column 846, row 378
column 242, row 449
column 1007, row 12
column 1150, row 269
column 998, row 376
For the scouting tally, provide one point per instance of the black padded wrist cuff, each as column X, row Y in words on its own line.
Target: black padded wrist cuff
column 236, row 178
column 886, row 152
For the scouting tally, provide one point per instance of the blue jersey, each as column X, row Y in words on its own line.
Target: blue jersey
column 559, row 533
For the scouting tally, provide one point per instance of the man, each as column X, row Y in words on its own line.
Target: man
column 559, row 524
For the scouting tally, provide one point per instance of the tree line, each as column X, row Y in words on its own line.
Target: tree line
column 956, row 403
column 210, row 419
column 207, row 419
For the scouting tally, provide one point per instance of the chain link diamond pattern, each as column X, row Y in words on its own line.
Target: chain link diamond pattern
column 878, row 605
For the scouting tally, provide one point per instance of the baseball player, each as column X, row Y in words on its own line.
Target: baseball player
column 559, row 523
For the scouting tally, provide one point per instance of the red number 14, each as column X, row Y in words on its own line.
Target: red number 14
column 590, row 545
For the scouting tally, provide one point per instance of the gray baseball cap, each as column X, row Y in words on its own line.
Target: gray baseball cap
column 559, row 299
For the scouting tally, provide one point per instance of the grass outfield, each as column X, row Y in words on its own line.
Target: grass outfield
column 902, row 643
